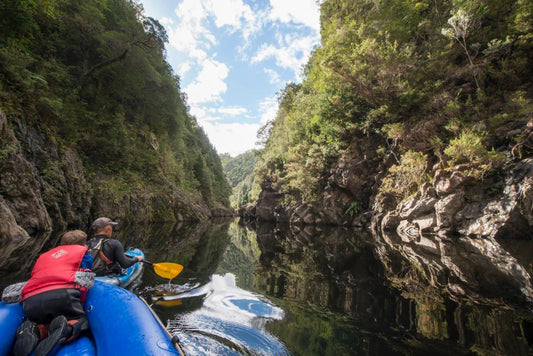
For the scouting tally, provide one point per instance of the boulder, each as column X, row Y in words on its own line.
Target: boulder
column 448, row 182
column 417, row 206
column 9, row 229
column 426, row 222
column 445, row 210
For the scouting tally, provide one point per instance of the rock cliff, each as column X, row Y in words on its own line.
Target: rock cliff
column 44, row 186
column 452, row 202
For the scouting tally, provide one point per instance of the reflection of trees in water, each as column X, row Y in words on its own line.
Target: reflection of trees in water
column 343, row 271
column 241, row 257
column 332, row 268
column 344, row 291
column 331, row 287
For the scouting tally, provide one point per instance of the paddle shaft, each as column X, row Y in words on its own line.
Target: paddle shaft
column 145, row 261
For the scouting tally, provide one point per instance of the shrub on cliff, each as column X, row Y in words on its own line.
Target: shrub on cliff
column 468, row 149
column 407, row 176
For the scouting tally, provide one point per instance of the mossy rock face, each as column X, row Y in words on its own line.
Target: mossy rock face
column 46, row 186
column 22, row 202
column 145, row 205
column 66, row 192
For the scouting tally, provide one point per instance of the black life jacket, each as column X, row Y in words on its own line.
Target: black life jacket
column 101, row 263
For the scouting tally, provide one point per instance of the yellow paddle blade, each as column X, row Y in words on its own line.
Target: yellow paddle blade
column 167, row 270
column 168, row 303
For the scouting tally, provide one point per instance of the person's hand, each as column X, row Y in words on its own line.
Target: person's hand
column 140, row 258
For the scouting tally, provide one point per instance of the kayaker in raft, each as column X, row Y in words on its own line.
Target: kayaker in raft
column 108, row 253
column 52, row 298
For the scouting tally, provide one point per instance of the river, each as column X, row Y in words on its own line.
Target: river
column 271, row 290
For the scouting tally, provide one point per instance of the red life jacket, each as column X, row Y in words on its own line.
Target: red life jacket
column 55, row 269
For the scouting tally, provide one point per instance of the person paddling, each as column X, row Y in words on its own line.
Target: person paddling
column 108, row 253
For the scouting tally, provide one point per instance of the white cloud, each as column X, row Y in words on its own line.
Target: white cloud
column 184, row 68
column 167, row 21
column 273, row 76
column 268, row 109
column 201, row 114
column 209, row 85
column 304, row 12
column 285, row 56
column 291, row 54
column 232, row 110
column 191, row 10
column 235, row 14
column 228, row 12
column 189, row 35
column 232, row 138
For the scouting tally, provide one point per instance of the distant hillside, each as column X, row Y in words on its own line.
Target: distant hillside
column 95, row 120
column 239, row 172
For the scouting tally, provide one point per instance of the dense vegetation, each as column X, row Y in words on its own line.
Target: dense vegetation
column 239, row 171
column 91, row 75
column 435, row 83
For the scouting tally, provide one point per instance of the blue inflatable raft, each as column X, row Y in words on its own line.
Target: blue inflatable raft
column 120, row 322
column 130, row 275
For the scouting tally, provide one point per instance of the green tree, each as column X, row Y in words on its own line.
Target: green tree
column 91, row 76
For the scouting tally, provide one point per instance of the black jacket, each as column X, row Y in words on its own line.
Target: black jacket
column 114, row 251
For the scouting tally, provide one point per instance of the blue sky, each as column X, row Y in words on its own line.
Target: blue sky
column 233, row 56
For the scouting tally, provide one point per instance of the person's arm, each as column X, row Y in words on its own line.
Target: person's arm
column 119, row 256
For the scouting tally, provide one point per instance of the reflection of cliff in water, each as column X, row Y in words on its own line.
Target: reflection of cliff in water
column 469, row 269
column 401, row 297
column 17, row 257
column 198, row 247
column 470, row 290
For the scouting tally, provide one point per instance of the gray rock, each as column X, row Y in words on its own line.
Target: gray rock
column 426, row 222
column 446, row 208
column 417, row 206
column 447, row 183
column 19, row 186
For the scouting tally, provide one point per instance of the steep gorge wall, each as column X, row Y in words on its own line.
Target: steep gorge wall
column 398, row 126
column 452, row 202
column 94, row 122
column 45, row 187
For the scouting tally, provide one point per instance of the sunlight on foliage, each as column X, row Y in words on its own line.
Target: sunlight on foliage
column 469, row 149
column 405, row 178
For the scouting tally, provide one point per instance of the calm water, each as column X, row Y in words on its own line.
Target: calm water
column 267, row 290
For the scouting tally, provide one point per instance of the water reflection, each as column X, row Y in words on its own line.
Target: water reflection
column 348, row 292
column 204, row 306
column 272, row 290
column 17, row 257
column 231, row 320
